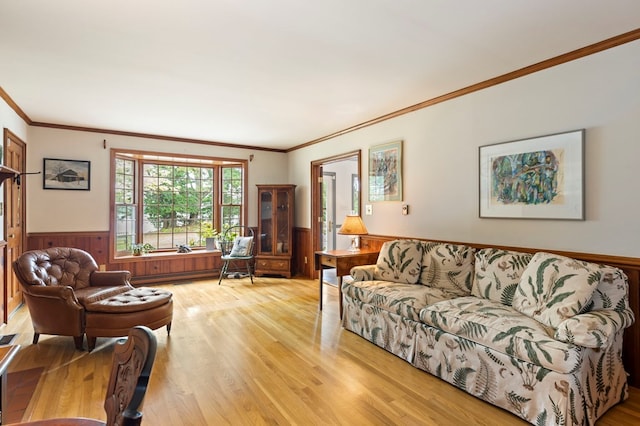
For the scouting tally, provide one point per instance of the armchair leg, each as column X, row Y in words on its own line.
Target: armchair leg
column 168, row 329
column 91, row 343
column 36, row 336
column 79, row 341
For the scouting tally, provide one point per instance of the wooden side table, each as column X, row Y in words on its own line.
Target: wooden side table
column 343, row 261
column 6, row 355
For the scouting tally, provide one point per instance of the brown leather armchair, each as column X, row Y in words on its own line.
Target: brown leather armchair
column 67, row 295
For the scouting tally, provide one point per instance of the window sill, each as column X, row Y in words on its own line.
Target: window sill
column 166, row 255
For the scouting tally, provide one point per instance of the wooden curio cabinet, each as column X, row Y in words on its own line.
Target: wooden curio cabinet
column 275, row 230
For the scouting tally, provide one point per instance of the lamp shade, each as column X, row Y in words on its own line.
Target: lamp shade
column 353, row 225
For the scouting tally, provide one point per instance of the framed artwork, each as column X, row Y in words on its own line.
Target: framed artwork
column 66, row 174
column 385, row 172
column 536, row 178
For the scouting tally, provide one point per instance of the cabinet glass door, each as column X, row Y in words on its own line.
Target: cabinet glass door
column 282, row 222
column 266, row 224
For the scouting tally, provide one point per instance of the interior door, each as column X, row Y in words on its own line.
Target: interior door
column 14, row 193
column 328, row 211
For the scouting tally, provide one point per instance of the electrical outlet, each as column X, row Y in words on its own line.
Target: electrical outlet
column 405, row 209
column 368, row 209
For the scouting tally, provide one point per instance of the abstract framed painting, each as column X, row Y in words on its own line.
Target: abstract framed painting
column 385, row 172
column 66, row 174
column 535, row 178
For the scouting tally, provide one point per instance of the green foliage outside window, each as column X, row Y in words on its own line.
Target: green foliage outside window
column 178, row 202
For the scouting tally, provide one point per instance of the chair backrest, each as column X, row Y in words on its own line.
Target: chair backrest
column 63, row 266
column 238, row 241
column 132, row 362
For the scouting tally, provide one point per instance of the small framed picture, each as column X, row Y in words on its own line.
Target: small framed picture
column 66, row 174
column 385, row 172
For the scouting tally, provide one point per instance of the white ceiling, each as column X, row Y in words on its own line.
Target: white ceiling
column 273, row 73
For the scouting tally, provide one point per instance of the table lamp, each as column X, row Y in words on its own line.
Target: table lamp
column 354, row 226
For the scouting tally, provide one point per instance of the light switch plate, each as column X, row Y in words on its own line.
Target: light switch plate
column 368, row 209
column 405, row 209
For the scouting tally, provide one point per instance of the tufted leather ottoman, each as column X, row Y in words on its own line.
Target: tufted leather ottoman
column 113, row 316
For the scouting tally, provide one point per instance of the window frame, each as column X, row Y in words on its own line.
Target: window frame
column 146, row 157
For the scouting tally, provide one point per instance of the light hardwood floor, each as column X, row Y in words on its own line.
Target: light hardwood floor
column 259, row 354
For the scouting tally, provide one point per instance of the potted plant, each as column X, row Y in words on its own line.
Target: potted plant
column 138, row 249
column 210, row 235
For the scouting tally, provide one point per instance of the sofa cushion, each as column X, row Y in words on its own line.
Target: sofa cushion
column 502, row 328
column 399, row 261
column 406, row 300
column 448, row 267
column 553, row 288
column 497, row 274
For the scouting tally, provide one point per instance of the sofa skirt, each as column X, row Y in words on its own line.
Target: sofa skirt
column 533, row 393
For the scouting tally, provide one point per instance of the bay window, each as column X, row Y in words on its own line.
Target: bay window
column 169, row 200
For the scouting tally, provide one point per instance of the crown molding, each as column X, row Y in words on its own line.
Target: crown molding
column 548, row 63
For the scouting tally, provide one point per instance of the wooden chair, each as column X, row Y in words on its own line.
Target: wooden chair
column 238, row 244
column 132, row 361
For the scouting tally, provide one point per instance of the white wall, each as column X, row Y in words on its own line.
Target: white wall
column 69, row 211
column 600, row 93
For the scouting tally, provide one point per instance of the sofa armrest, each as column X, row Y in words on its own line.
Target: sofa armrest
column 61, row 293
column 362, row 273
column 110, row 278
column 595, row 329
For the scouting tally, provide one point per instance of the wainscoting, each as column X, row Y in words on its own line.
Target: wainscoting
column 172, row 267
column 151, row 268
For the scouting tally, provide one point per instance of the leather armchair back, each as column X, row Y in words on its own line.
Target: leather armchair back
column 57, row 266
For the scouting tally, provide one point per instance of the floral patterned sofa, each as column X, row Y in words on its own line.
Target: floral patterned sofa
column 538, row 335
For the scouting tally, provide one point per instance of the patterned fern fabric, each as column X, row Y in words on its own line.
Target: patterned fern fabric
column 541, row 336
column 402, row 299
column 399, row 261
column 448, row 267
column 609, row 312
column 497, row 274
column 593, row 329
column 393, row 333
column 503, row 329
column 531, row 392
column 363, row 272
column 553, row 288
column 612, row 291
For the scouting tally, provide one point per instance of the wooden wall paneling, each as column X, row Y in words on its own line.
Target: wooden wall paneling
column 170, row 267
column 203, row 263
column 96, row 243
column 303, row 254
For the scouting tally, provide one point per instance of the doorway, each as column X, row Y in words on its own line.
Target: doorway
column 333, row 196
column 14, row 214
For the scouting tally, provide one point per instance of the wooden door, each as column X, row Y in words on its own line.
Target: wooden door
column 14, row 195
